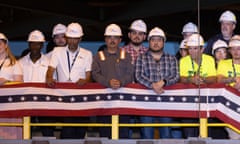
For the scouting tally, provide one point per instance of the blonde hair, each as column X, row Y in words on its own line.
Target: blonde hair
column 9, row 53
column 10, row 56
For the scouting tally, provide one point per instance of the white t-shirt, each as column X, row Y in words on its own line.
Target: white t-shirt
column 34, row 72
column 8, row 72
column 79, row 62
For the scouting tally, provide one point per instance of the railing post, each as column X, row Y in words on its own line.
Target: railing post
column 115, row 126
column 26, row 127
column 203, row 130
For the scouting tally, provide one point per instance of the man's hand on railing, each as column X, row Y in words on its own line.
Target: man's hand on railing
column 81, row 82
column 115, row 84
column 50, row 82
column 158, row 87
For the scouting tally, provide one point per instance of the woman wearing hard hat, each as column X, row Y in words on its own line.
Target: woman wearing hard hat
column 183, row 51
column 220, row 51
column 228, row 72
column 10, row 72
column 10, row 69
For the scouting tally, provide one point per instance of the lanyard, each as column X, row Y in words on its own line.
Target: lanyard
column 200, row 64
column 2, row 63
column 234, row 70
column 70, row 66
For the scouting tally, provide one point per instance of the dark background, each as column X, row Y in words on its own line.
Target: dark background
column 19, row 17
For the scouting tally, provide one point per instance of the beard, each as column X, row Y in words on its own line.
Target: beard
column 136, row 43
column 155, row 51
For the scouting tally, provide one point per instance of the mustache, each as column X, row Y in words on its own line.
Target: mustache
column 136, row 38
column 112, row 43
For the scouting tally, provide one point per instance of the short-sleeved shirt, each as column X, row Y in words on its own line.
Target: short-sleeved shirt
column 34, row 72
column 149, row 70
column 189, row 67
column 8, row 71
column 225, row 68
column 71, row 66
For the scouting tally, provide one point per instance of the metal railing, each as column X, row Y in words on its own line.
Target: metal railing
column 203, row 126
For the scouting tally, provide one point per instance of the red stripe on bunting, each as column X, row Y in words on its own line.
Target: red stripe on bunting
column 225, row 118
column 100, row 112
column 98, row 86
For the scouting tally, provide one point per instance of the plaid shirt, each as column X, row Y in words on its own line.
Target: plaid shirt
column 148, row 70
column 134, row 54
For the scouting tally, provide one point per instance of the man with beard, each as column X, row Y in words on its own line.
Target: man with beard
column 137, row 34
column 73, row 64
column 156, row 69
column 228, row 24
column 112, row 68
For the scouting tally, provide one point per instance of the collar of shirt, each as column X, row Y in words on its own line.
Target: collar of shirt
column 39, row 61
column 72, row 53
column 129, row 48
column 110, row 54
column 148, row 53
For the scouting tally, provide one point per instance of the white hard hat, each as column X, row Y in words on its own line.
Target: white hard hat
column 113, row 30
column 190, row 28
column 59, row 29
column 3, row 37
column 183, row 44
column 195, row 40
column 157, row 32
column 219, row 44
column 235, row 41
column 139, row 25
column 228, row 16
column 74, row 30
column 36, row 36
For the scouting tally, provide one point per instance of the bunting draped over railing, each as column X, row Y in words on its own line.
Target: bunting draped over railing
column 68, row 99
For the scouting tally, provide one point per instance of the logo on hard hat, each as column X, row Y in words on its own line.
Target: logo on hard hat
column 74, row 30
column 157, row 32
column 113, row 30
column 139, row 25
column 195, row 40
column 228, row 16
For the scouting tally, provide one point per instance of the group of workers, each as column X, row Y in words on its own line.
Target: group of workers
column 115, row 66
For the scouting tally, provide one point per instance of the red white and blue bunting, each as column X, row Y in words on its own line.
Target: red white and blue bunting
column 67, row 99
